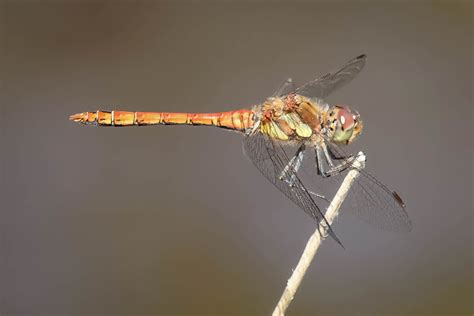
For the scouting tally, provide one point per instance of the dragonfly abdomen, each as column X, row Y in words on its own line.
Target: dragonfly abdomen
column 236, row 120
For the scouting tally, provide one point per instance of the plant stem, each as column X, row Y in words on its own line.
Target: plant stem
column 315, row 240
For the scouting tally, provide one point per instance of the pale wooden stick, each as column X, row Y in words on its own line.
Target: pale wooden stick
column 315, row 240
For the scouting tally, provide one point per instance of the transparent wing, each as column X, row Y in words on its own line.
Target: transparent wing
column 378, row 206
column 286, row 88
column 373, row 201
column 270, row 159
column 322, row 87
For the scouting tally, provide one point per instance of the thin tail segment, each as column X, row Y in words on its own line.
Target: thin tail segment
column 236, row 120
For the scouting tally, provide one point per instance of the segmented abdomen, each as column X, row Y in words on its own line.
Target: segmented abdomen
column 236, row 120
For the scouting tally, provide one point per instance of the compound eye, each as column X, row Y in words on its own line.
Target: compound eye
column 346, row 118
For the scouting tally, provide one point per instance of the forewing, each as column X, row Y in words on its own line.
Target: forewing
column 373, row 201
column 270, row 159
column 322, row 87
column 286, row 88
column 379, row 206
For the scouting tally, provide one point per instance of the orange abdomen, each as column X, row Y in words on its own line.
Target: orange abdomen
column 236, row 120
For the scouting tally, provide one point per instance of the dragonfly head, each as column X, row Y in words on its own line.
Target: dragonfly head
column 344, row 126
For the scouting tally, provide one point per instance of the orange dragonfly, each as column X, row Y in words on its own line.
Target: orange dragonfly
column 278, row 133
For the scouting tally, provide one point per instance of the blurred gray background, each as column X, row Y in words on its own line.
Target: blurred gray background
column 175, row 220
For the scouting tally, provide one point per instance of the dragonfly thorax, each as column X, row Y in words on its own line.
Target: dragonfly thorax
column 298, row 118
column 290, row 118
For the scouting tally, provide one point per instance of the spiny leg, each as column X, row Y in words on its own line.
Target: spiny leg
column 323, row 153
column 291, row 170
column 346, row 163
column 319, row 162
column 293, row 166
column 253, row 129
column 322, row 197
column 334, row 155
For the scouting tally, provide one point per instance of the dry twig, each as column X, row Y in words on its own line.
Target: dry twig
column 315, row 240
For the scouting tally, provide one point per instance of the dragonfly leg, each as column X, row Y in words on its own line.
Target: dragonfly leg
column 253, row 129
column 292, row 167
column 323, row 153
column 319, row 162
column 331, row 155
column 335, row 156
column 322, row 197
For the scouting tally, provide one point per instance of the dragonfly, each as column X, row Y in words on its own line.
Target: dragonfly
column 280, row 132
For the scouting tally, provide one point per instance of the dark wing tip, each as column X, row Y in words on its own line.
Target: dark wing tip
column 363, row 56
column 407, row 226
column 398, row 198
